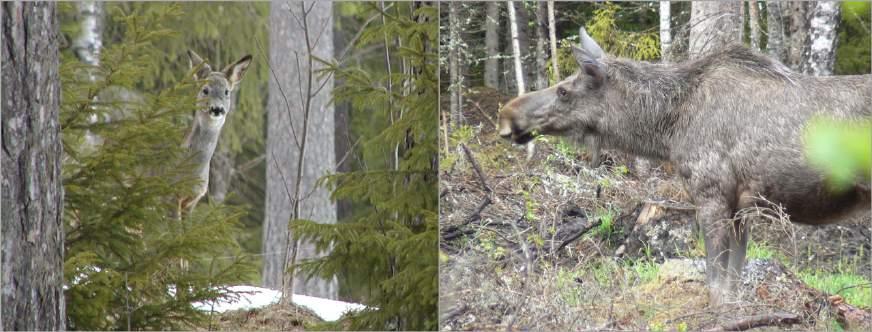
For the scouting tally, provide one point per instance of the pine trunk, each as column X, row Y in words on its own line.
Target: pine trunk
column 291, row 135
column 823, row 34
column 516, row 49
column 33, row 195
column 552, row 36
column 754, row 24
column 541, row 39
column 713, row 25
column 492, row 45
column 797, row 32
column 775, row 25
column 665, row 30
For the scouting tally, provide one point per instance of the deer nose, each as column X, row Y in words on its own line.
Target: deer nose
column 216, row 111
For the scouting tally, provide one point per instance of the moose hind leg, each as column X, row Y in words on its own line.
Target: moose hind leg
column 738, row 249
column 714, row 217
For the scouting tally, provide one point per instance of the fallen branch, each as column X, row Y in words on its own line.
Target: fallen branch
column 476, row 215
column 476, row 168
column 487, row 117
column 578, row 235
column 777, row 319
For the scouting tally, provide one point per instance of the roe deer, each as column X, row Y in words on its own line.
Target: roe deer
column 215, row 99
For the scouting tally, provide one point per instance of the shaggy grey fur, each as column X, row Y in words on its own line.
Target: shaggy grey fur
column 731, row 122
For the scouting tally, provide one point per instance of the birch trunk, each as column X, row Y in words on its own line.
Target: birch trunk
column 665, row 30
column 820, row 51
column 516, row 49
column 541, row 39
column 552, row 36
column 754, row 24
column 454, row 65
column 492, row 44
column 713, row 24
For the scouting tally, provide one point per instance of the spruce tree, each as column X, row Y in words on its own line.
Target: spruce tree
column 391, row 240
column 123, row 169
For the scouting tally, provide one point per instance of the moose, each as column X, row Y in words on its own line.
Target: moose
column 730, row 122
column 202, row 138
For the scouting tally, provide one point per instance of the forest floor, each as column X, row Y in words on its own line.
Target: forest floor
column 512, row 258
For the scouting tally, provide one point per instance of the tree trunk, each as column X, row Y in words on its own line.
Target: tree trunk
column 797, row 32
column 541, row 39
column 291, row 135
column 823, row 34
column 754, row 24
column 665, row 30
column 492, row 45
column 713, row 24
column 33, row 195
column 775, row 26
column 87, row 46
column 455, row 76
column 516, row 49
column 552, row 36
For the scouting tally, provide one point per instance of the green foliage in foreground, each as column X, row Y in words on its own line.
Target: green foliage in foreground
column 393, row 242
column 122, row 247
column 843, row 150
column 855, row 289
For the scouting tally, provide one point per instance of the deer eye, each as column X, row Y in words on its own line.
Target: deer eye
column 561, row 92
column 205, row 91
column 226, row 92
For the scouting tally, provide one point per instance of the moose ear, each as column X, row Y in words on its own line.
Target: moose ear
column 203, row 69
column 235, row 71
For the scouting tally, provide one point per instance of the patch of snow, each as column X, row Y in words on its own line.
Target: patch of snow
column 251, row 297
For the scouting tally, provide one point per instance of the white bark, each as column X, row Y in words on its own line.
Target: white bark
column 541, row 39
column 454, row 65
column 713, row 24
column 552, row 36
column 492, row 44
column 820, row 55
column 754, row 23
column 89, row 43
column 665, row 31
column 516, row 49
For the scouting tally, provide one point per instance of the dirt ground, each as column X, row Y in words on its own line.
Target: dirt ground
column 550, row 243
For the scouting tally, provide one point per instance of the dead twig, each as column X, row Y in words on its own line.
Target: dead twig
column 578, row 235
column 487, row 117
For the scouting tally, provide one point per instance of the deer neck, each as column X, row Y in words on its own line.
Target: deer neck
column 202, row 141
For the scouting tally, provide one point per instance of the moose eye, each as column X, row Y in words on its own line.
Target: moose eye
column 226, row 92
column 561, row 92
column 205, row 91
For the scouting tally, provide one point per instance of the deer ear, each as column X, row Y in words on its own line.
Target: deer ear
column 235, row 71
column 195, row 61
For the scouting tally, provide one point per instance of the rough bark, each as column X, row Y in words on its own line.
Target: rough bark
column 516, row 49
column 541, row 39
column 797, row 30
column 32, row 204
column 288, row 56
column 754, row 24
column 819, row 55
column 665, row 30
column 552, row 36
column 775, row 25
column 713, row 24
column 492, row 45
column 454, row 74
